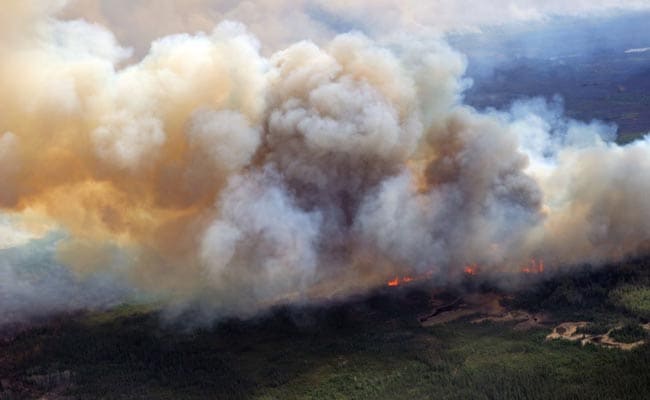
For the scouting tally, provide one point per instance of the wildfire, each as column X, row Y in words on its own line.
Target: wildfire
column 535, row 267
column 393, row 282
column 407, row 278
column 399, row 281
column 471, row 270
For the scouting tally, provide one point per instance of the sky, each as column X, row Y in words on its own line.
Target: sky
column 276, row 23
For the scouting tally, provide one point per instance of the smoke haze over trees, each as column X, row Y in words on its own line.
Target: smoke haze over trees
column 238, row 163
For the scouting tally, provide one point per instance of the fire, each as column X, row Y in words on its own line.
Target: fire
column 535, row 267
column 394, row 282
column 408, row 278
column 398, row 281
column 471, row 270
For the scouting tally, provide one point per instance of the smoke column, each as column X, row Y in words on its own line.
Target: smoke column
column 208, row 173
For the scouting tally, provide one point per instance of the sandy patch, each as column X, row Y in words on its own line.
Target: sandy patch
column 569, row 331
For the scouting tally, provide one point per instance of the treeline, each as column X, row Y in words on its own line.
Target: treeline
column 589, row 291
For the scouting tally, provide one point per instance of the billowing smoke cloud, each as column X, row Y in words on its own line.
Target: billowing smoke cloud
column 208, row 174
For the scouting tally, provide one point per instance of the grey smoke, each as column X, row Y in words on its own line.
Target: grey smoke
column 210, row 175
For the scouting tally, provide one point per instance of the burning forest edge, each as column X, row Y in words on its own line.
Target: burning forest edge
column 396, row 340
column 365, row 203
column 223, row 175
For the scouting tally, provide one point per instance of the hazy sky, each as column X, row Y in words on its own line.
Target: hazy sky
column 279, row 22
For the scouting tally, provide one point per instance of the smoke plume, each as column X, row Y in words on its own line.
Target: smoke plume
column 209, row 173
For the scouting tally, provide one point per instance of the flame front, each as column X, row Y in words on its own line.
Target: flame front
column 399, row 281
column 471, row 270
column 393, row 282
column 408, row 278
column 535, row 267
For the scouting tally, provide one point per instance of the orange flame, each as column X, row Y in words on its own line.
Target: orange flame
column 535, row 267
column 397, row 281
column 407, row 279
column 471, row 270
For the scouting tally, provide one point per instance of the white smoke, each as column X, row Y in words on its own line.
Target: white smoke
column 33, row 285
column 208, row 173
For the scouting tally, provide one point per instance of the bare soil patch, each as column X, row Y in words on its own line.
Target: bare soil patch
column 569, row 331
